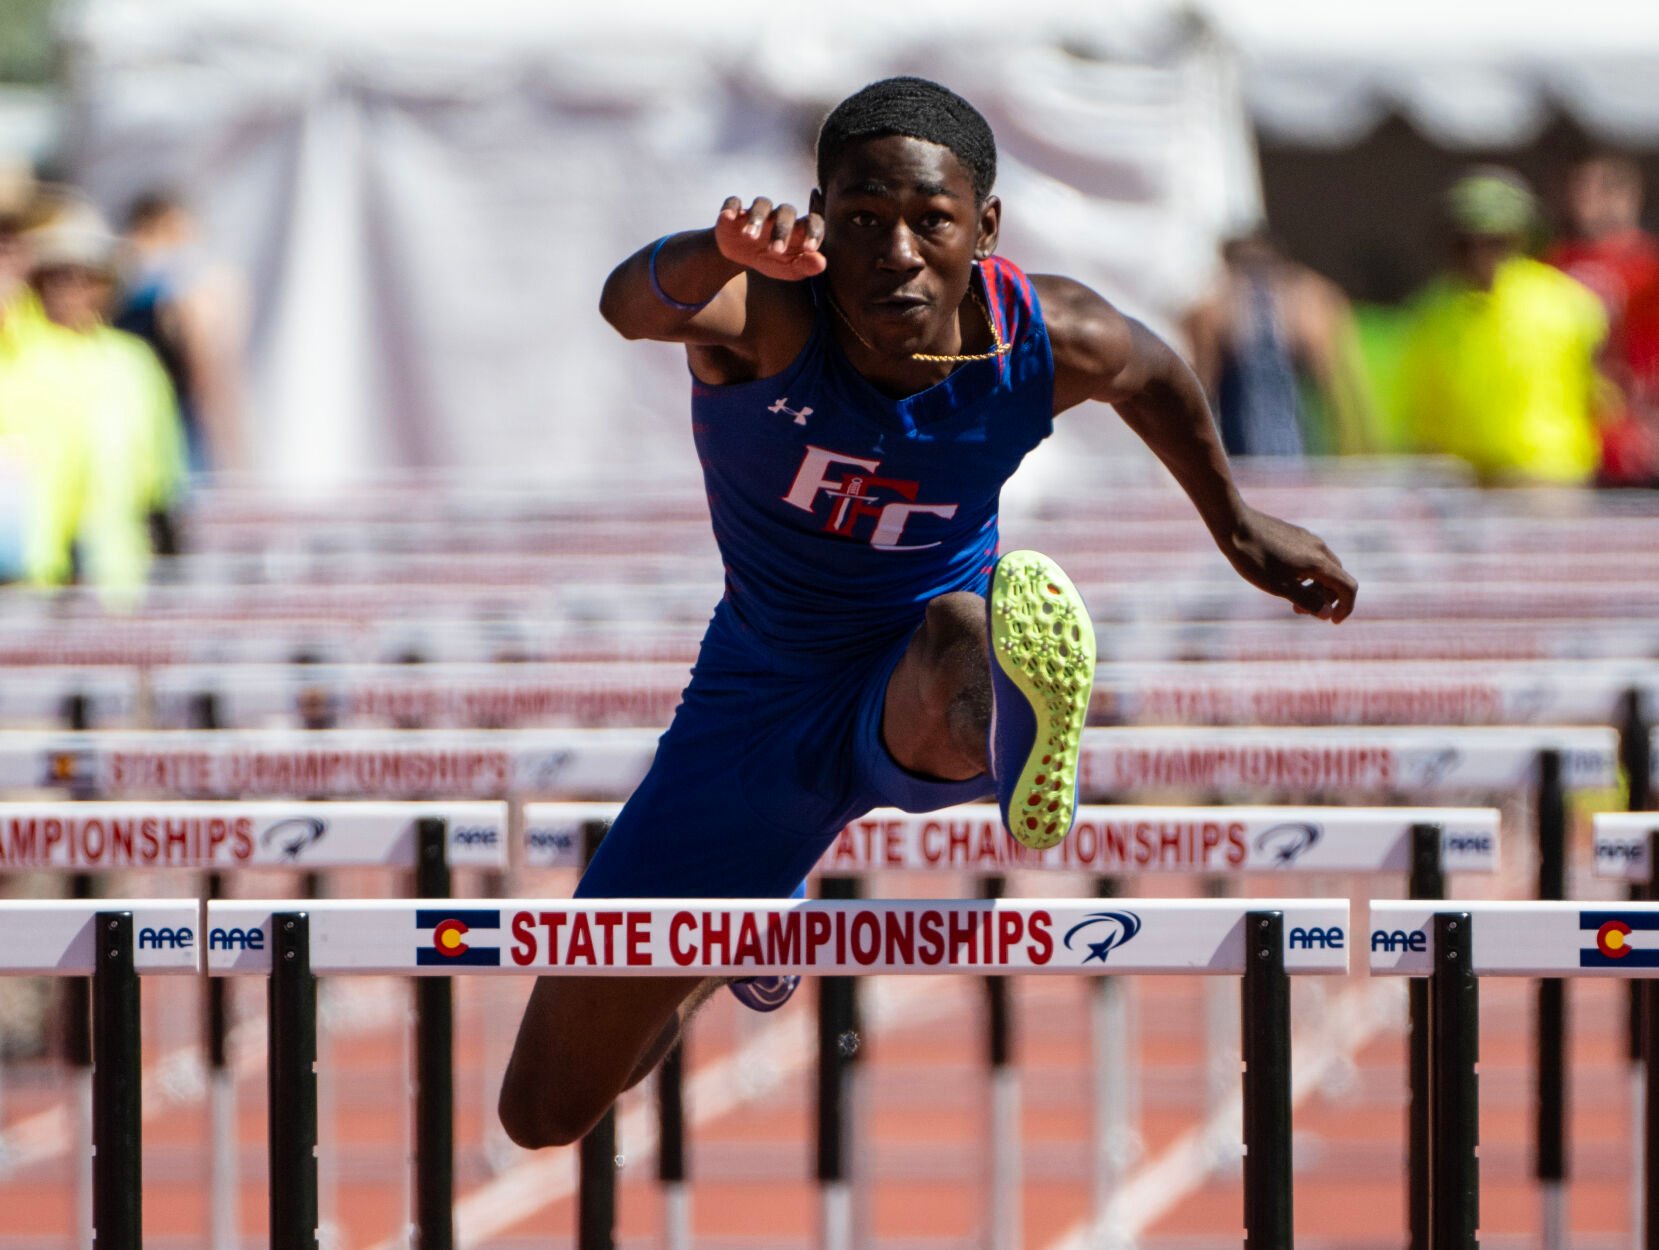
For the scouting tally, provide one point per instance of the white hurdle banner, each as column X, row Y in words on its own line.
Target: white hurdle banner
column 1621, row 840
column 608, row 763
column 1108, row 841
column 1522, row 939
column 1452, row 945
column 720, row 937
column 51, row 937
column 104, row 836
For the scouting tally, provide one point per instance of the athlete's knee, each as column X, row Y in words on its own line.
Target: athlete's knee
column 536, row 1114
column 955, row 626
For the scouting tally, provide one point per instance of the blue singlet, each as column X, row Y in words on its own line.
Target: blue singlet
column 839, row 513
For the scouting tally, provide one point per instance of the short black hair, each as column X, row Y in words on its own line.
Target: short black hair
column 918, row 109
column 152, row 205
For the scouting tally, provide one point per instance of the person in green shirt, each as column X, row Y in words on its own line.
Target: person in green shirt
column 1498, row 366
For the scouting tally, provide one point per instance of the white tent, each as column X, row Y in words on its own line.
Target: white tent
column 427, row 198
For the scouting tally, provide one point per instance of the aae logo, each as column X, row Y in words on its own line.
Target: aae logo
column 1104, row 932
column 1285, row 843
column 1392, row 940
column 1314, row 937
column 236, row 939
column 294, row 834
column 1467, row 843
column 181, row 938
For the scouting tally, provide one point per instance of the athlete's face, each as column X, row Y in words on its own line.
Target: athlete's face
column 902, row 230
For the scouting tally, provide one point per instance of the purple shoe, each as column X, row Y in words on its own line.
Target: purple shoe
column 1042, row 673
column 763, row 993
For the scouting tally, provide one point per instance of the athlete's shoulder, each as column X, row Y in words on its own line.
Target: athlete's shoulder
column 1089, row 336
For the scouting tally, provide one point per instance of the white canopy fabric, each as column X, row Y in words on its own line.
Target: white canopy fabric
column 1474, row 73
column 427, row 198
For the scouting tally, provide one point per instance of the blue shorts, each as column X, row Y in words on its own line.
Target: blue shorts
column 766, row 761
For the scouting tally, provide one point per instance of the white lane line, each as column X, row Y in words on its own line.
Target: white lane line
column 1347, row 1025
column 749, row 1073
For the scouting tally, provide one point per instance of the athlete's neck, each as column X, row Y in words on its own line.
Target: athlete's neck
column 898, row 374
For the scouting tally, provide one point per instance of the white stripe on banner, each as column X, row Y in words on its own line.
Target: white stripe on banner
column 86, row 836
column 1107, row 840
column 608, row 763
column 721, row 937
column 1523, row 939
column 1621, row 844
column 58, row 937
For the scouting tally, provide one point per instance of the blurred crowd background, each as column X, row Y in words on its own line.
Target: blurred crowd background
column 314, row 243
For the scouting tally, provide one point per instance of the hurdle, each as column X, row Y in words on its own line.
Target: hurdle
column 429, row 838
column 114, row 942
column 1254, row 940
column 1453, row 945
column 1107, row 843
column 1625, row 849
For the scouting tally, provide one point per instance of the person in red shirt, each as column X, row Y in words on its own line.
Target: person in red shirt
column 1608, row 251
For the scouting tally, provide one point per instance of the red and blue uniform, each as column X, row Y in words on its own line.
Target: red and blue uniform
column 839, row 513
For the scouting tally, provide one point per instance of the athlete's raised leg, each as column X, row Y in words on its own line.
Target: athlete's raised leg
column 1001, row 685
column 937, row 715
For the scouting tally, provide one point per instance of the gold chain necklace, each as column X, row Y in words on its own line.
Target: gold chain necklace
column 1001, row 348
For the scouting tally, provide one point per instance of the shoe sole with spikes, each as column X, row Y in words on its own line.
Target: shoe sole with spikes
column 1042, row 648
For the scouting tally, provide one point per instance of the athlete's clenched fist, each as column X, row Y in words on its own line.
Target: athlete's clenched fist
column 776, row 241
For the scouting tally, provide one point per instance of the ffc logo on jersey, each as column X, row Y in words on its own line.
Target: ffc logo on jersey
column 858, row 495
column 456, row 938
column 1103, row 932
column 1622, row 940
column 1286, row 842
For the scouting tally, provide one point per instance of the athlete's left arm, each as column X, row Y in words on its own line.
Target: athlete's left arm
column 1100, row 354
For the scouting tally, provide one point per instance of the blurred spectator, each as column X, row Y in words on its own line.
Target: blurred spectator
column 43, row 427
column 1499, row 361
column 135, row 454
column 192, row 313
column 1274, row 345
column 1607, row 250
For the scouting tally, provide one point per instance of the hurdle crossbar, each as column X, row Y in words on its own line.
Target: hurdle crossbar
column 1264, row 941
column 1107, row 840
column 609, row 763
column 1518, row 939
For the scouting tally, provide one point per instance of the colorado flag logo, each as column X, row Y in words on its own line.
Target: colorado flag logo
column 1621, row 939
column 455, row 938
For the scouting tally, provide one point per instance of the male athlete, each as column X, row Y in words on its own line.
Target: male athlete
column 865, row 377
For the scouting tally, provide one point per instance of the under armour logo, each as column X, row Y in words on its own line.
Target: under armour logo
column 783, row 406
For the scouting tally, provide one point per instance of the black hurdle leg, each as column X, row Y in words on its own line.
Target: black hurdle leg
column 117, row 1078
column 596, row 1157
column 1454, row 1043
column 1269, row 1219
column 1550, row 1126
column 1428, row 881
column 434, row 1063
column 291, row 1082
column 837, row 1047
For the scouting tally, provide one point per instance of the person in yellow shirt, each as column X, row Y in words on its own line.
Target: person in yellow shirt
column 135, row 442
column 43, row 429
column 1499, row 362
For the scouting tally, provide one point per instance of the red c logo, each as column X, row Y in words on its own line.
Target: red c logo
column 1611, row 939
column 449, row 938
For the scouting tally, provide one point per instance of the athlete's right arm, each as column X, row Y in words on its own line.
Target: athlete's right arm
column 704, row 295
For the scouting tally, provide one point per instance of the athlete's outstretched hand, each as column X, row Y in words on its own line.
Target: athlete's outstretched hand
column 1286, row 560
column 775, row 241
